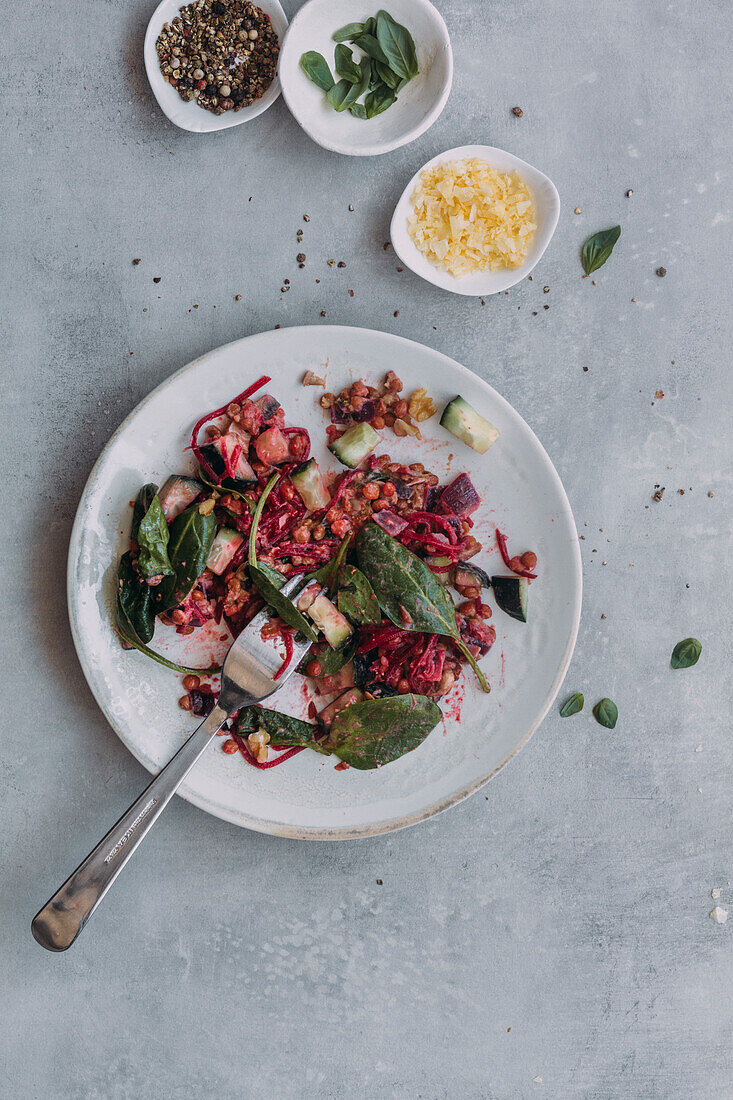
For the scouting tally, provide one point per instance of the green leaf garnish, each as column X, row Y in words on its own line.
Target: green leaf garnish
column 397, row 45
column 605, row 713
column 598, row 248
column 315, row 67
column 348, row 33
column 345, row 66
column 152, row 539
column 686, row 653
column 377, row 731
column 572, row 705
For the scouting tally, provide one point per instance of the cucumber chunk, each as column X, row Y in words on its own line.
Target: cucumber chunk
column 177, row 493
column 336, row 628
column 223, row 549
column 354, row 445
column 462, row 420
column 511, row 595
column 308, row 481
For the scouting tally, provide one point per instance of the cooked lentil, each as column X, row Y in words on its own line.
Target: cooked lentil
column 221, row 53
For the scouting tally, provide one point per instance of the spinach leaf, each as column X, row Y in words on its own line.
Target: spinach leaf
column 572, row 705
column 252, row 548
column 280, row 604
column 605, row 713
column 126, row 632
column 315, row 67
column 397, row 45
column 369, row 44
column 330, row 660
column 379, row 100
column 386, row 75
column 327, row 574
column 134, row 600
column 345, row 65
column 225, row 487
column 356, row 599
column 142, row 502
column 358, row 110
column 283, row 728
column 348, row 33
column 336, row 96
column 272, row 574
column 152, row 539
column 191, row 536
column 598, row 248
column 686, row 653
column 403, row 583
column 377, row 731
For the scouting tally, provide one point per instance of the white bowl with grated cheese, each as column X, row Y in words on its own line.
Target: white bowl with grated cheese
column 546, row 213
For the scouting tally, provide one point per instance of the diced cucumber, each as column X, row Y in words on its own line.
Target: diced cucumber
column 336, row 628
column 224, row 447
column 223, row 549
column 443, row 576
column 462, row 420
column 352, row 695
column 308, row 481
column 511, row 595
column 177, row 493
column 354, row 445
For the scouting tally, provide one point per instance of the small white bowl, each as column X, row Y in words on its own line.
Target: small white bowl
column 188, row 115
column 418, row 104
column 547, row 211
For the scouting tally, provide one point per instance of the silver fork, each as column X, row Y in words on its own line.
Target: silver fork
column 247, row 677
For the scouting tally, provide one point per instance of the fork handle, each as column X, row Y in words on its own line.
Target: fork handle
column 62, row 918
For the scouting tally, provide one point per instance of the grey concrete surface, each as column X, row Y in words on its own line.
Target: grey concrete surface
column 550, row 937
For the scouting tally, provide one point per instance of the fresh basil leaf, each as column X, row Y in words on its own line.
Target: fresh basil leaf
column 386, row 75
column 280, row 604
column 358, row 110
column 336, row 96
column 370, row 46
column 345, row 65
column 315, row 67
column 605, row 713
column 377, row 731
column 370, row 26
column 686, row 653
column 142, row 502
column 127, row 634
column 408, row 592
column 191, row 536
column 379, row 100
column 283, row 728
column 357, row 90
column 397, row 45
column 348, row 33
column 356, row 599
column 572, row 705
column 152, row 539
column 598, row 248
column 134, row 601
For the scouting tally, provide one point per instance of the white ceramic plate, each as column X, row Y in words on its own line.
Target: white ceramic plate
column 418, row 104
column 306, row 797
column 547, row 206
column 189, row 116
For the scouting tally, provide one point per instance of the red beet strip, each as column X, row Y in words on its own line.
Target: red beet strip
column 244, row 749
column 287, row 637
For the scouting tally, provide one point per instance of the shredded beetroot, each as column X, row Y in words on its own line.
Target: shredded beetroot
column 213, row 415
column 244, row 749
column 287, row 637
column 501, row 540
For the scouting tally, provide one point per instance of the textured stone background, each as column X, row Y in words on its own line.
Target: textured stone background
column 556, row 925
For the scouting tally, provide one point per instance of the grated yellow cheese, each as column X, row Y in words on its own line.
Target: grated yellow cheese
column 467, row 217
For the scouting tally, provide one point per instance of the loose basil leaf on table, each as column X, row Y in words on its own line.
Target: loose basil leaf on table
column 348, row 33
column 403, row 583
column 345, row 66
column 397, row 45
column 686, row 653
column 356, row 599
column 572, row 705
column 316, row 68
column 283, row 607
column 152, row 538
column 142, row 502
column 283, row 728
column 378, row 101
column 598, row 248
column 605, row 713
column 191, row 536
column 134, row 601
column 377, row 731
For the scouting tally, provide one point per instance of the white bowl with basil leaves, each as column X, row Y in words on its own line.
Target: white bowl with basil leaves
column 363, row 82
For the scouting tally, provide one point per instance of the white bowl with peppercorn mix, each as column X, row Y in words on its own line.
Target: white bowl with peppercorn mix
column 418, row 103
column 225, row 96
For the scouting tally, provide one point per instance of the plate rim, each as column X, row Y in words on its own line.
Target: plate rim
column 252, row 822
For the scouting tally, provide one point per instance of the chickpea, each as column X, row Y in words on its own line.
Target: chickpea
column 230, row 745
column 529, row 560
column 319, row 532
column 185, row 702
column 516, row 565
column 378, row 422
column 191, row 682
column 341, row 527
column 371, row 491
column 388, row 489
column 301, row 534
column 313, row 668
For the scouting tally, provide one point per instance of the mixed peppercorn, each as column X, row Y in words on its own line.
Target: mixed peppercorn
column 221, row 53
